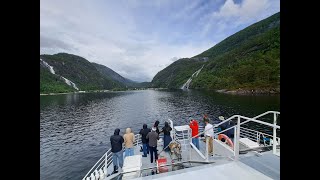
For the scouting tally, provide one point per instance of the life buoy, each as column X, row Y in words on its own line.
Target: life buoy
column 227, row 139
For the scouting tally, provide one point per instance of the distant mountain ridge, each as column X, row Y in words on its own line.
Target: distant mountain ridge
column 248, row 59
column 113, row 75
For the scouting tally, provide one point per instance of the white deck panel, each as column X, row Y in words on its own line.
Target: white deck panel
column 132, row 162
column 248, row 143
column 182, row 128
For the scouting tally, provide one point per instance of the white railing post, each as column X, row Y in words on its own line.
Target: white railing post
column 274, row 145
column 138, row 136
column 172, row 132
column 190, row 149
column 237, row 149
column 235, row 141
column 207, row 148
column 106, row 165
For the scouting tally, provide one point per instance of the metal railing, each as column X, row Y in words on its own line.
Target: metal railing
column 256, row 135
column 237, row 129
column 101, row 167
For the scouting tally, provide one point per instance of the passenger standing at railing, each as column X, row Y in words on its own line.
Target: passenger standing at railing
column 116, row 149
column 222, row 126
column 153, row 137
column 156, row 124
column 194, row 131
column 209, row 135
column 230, row 132
column 226, row 125
column 166, row 137
column 145, row 142
column 205, row 116
column 128, row 142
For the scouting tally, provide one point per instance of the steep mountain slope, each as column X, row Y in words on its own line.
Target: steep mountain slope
column 177, row 73
column 249, row 59
column 52, row 83
column 78, row 70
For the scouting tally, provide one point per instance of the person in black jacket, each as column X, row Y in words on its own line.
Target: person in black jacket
column 156, row 125
column 226, row 125
column 166, row 137
column 116, row 149
column 230, row 132
column 145, row 142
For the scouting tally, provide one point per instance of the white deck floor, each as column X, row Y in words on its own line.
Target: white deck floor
column 231, row 170
column 219, row 168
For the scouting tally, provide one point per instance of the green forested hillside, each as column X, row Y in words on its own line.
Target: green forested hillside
column 176, row 74
column 249, row 59
column 50, row 83
column 77, row 69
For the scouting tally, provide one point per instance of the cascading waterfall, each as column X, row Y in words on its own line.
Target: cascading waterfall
column 195, row 74
column 67, row 81
column 70, row 83
column 48, row 66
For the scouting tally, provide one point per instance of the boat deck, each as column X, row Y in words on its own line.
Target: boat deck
column 266, row 163
column 251, row 165
column 231, row 170
column 264, row 166
column 249, row 160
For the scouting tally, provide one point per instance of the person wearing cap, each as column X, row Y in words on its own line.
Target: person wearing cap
column 221, row 126
column 208, row 132
column 194, row 126
column 153, row 137
column 226, row 125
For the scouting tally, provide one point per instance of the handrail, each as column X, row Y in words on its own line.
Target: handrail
column 103, row 158
column 265, row 113
column 248, row 119
column 257, row 121
column 258, row 132
column 268, row 112
column 96, row 164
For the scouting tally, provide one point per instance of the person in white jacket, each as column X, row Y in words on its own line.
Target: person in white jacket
column 209, row 135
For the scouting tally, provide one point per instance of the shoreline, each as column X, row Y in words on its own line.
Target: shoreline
column 225, row 91
column 251, row 91
column 78, row 92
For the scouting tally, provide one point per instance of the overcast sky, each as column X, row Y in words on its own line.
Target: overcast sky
column 138, row 38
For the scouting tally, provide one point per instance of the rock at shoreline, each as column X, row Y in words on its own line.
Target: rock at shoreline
column 252, row 91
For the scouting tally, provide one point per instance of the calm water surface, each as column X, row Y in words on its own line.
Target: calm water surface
column 75, row 128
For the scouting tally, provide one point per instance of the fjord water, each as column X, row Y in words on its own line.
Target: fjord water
column 75, row 128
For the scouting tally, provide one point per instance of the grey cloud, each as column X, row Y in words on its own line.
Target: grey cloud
column 135, row 73
column 46, row 42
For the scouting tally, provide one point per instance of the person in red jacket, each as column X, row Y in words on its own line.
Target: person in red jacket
column 194, row 131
